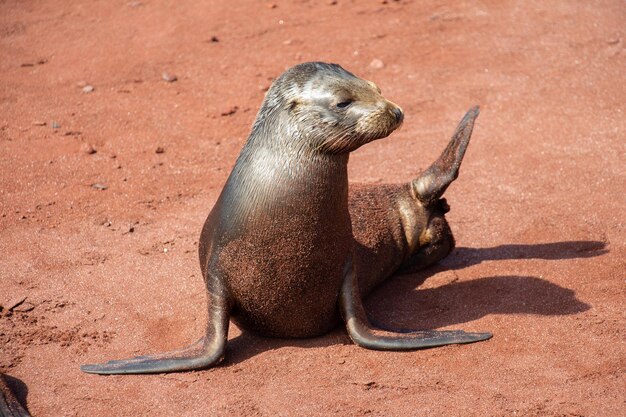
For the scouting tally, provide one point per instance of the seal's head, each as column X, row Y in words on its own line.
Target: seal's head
column 327, row 109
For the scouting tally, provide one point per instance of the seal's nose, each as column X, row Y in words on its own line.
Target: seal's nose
column 397, row 112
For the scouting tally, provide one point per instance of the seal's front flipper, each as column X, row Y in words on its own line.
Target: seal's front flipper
column 363, row 334
column 202, row 354
column 206, row 352
column 432, row 183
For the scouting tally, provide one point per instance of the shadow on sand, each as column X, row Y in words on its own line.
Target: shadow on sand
column 462, row 257
column 398, row 304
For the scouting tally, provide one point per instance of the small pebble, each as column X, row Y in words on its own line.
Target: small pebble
column 99, row 186
column 376, row 64
column 160, row 149
column 14, row 303
column 229, row 111
column 214, row 39
column 170, row 78
column 106, row 223
column 24, row 307
column 89, row 149
column 88, row 89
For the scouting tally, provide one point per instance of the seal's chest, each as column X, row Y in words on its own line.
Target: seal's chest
column 286, row 283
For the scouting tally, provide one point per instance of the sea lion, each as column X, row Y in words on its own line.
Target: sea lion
column 9, row 404
column 288, row 250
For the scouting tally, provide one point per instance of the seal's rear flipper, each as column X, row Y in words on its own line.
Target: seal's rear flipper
column 206, row 352
column 432, row 183
column 363, row 333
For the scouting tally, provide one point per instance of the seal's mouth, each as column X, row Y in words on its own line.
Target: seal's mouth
column 381, row 123
column 368, row 123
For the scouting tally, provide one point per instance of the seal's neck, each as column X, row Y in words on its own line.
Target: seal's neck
column 276, row 140
column 278, row 158
column 276, row 178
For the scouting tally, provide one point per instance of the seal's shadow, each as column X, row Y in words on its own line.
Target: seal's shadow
column 462, row 257
column 398, row 304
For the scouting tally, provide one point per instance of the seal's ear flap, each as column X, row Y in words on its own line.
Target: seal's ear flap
column 432, row 183
column 293, row 103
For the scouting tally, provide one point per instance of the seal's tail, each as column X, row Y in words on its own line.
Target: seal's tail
column 432, row 183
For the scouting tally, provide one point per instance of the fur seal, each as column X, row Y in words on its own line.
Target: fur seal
column 9, row 404
column 288, row 250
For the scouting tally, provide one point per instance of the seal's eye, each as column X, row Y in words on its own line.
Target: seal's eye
column 344, row 104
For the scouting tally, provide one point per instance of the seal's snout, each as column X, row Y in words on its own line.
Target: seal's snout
column 398, row 114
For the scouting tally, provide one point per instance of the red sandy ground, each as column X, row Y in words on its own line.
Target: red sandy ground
column 538, row 210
